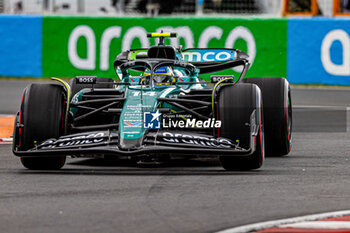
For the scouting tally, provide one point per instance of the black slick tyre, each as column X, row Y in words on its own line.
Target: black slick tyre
column 42, row 116
column 235, row 108
column 277, row 114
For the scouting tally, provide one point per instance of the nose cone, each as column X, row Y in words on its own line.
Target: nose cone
column 130, row 144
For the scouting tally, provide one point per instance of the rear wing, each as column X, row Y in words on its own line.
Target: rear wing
column 206, row 60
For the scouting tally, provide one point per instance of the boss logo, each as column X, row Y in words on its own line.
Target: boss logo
column 218, row 78
column 86, row 79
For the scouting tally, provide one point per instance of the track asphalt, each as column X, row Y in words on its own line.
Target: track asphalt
column 90, row 195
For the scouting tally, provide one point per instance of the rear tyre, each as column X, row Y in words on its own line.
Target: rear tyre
column 42, row 116
column 277, row 114
column 236, row 105
column 100, row 83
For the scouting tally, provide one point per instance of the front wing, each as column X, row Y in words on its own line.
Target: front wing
column 154, row 142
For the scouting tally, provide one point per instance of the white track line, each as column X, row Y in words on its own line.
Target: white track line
column 270, row 224
column 6, row 115
column 347, row 108
column 344, row 108
column 321, row 88
column 6, row 140
column 319, row 225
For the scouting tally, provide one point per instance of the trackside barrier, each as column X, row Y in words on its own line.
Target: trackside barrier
column 21, row 46
column 319, row 51
column 88, row 45
column 305, row 50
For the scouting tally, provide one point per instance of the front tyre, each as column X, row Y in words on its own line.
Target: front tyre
column 277, row 101
column 42, row 116
column 236, row 106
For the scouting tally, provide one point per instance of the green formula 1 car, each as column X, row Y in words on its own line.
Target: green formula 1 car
column 158, row 109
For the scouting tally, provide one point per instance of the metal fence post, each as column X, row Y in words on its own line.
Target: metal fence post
column 199, row 7
column 81, row 4
column 121, row 7
column 52, row 6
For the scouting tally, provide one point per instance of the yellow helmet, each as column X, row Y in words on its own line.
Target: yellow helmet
column 162, row 76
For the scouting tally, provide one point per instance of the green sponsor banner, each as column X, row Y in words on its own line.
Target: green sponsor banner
column 88, row 45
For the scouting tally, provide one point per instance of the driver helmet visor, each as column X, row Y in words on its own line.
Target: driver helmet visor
column 164, row 70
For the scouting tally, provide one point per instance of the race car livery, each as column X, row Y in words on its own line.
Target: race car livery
column 158, row 108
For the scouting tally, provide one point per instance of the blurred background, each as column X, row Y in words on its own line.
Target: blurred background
column 305, row 41
column 175, row 7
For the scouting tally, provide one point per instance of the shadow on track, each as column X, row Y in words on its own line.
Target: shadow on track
column 177, row 167
column 115, row 162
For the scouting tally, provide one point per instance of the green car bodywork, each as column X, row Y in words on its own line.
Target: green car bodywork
column 141, row 99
